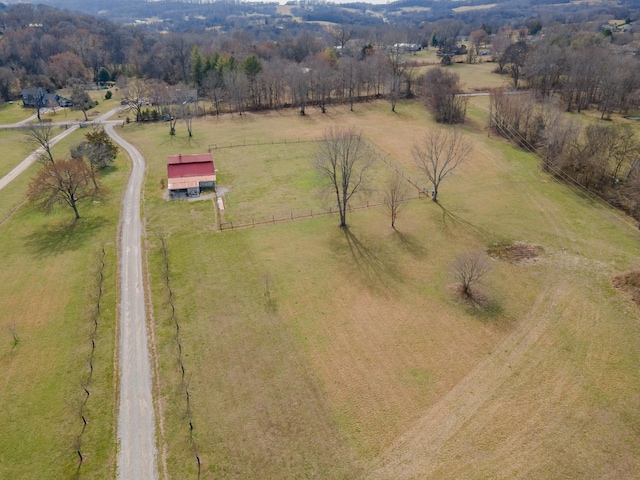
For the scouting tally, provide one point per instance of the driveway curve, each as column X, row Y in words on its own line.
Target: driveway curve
column 137, row 452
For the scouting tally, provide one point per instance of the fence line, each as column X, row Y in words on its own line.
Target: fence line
column 384, row 157
column 215, row 146
column 273, row 220
column 506, row 130
column 379, row 154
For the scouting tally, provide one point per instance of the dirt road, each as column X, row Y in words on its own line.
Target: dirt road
column 137, row 453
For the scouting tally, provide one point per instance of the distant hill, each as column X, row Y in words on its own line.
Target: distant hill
column 200, row 15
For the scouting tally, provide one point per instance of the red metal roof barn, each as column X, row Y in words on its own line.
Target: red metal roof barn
column 188, row 174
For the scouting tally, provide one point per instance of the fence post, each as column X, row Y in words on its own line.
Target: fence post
column 291, row 215
column 253, row 222
column 273, row 217
column 231, row 225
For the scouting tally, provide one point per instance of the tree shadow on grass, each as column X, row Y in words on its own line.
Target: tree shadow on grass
column 451, row 220
column 376, row 271
column 410, row 244
column 61, row 237
column 483, row 306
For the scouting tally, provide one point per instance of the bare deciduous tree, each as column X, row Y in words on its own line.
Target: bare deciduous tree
column 40, row 135
column 469, row 269
column 513, row 58
column 394, row 196
column 340, row 159
column 134, row 93
column 65, row 182
column 213, row 86
column 442, row 98
column 439, row 154
column 81, row 100
column 396, row 67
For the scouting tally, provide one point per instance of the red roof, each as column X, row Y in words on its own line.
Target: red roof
column 180, row 166
column 197, row 158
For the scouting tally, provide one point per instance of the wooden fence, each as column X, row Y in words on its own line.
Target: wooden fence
column 273, row 219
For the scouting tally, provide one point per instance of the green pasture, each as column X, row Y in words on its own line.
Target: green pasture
column 13, row 113
column 309, row 349
column 14, row 150
column 48, row 278
column 17, row 149
column 274, row 182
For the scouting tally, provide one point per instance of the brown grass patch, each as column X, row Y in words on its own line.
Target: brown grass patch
column 517, row 253
column 629, row 284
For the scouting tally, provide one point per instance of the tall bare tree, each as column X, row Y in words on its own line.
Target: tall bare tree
column 65, row 182
column 40, row 135
column 81, row 100
column 341, row 160
column 134, row 94
column 439, row 154
column 396, row 67
column 395, row 195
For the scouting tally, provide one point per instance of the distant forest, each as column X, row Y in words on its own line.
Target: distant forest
column 240, row 57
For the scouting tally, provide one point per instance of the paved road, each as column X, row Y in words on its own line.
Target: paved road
column 137, row 453
column 27, row 162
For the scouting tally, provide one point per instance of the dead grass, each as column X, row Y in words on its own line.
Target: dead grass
column 629, row 283
column 362, row 351
column 517, row 253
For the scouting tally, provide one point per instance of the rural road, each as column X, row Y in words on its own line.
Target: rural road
column 28, row 161
column 137, row 453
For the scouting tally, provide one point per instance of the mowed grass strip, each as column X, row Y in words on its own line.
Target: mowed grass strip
column 361, row 333
column 46, row 284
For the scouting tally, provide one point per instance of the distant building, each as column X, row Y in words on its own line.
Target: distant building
column 189, row 174
column 38, row 97
column 405, row 47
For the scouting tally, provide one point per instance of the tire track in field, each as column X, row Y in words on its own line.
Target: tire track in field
column 414, row 454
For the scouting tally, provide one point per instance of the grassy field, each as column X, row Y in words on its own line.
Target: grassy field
column 312, row 352
column 47, row 280
column 16, row 150
column 13, row 112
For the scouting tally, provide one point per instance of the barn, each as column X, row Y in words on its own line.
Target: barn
column 189, row 174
